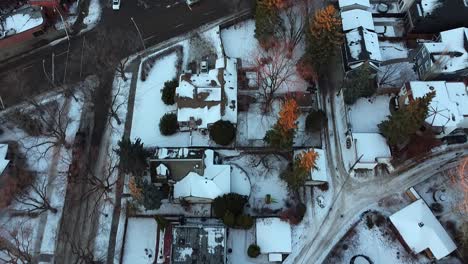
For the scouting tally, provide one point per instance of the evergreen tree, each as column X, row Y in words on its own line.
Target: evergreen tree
column 132, row 156
column 267, row 23
column 403, row 123
column 359, row 84
column 281, row 135
column 168, row 92
column 222, row 132
column 168, row 124
column 300, row 172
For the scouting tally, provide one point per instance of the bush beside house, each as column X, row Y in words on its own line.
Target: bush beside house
column 168, row 92
column 168, row 124
column 222, row 132
column 253, row 251
column 230, row 208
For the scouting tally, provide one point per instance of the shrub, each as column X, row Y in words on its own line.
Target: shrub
column 229, row 219
column 222, row 132
column 244, row 221
column 294, row 215
column 315, row 121
column 437, row 208
column 253, row 251
column 168, row 124
column 219, row 206
column 301, row 210
column 152, row 196
column 168, row 92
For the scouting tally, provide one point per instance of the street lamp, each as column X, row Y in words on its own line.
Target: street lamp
column 68, row 38
column 139, row 33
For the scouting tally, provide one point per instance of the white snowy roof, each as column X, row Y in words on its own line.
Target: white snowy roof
column 196, row 97
column 346, row 3
column 421, row 230
column 320, row 173
column 450, row 41
column 355, row 18
column 3, row 162
column 22, row 20
column 141, row 234
column 429, row 5
column 371, row 146
column 363, row 45
column 162, row 169
column 215, row 181
column 447, row 108
column 273, row 235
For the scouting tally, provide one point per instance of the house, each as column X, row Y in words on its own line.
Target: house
column 23, row 24
column 198, row 243
column 421, row 231
column 318, row 175
column 354, row 4
column 273, row 237
column 448, row 110
column 4, row 162
column 433, row 16
column 195, row 174
column 207, row 97
column 371, row 149
column 361, row 41
column 444, row 59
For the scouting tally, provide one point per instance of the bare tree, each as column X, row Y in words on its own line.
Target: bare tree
column 394, row 75
column 36, row 199
column 117, row 102
column 296, row 16
column 275, row 69
column 16, row 243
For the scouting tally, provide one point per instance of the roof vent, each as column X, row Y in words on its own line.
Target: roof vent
column 420, row 224
column 431, row 88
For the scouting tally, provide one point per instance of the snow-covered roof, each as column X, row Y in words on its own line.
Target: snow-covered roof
column 371, row 146
column 346, row 3
column 215, row 181
column 421, row 230
column 199, row 97
column 22, row 20
column 448, row 107
column 273, row 235
column 3, row 161
column 427, row 6
column 355, row 18
column 162, row 170
column 362, row 45
column 450, row 54
column 140, row 240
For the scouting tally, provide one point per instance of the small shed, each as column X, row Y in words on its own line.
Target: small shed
column 371, row 149
column 273, row 237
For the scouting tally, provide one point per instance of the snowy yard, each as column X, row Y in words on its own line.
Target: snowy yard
column 239, row 241
column 373, row 240
column 49, row 162
column 140, row 241
column 393, row 50
column 361, row 120
column 239, row 41
column 264, row 172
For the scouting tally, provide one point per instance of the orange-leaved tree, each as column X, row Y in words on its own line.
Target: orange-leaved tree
column 288, row 116
column 135, row 190
column 281, row 135
column 276, row 4
column 300, row 173
column 307, row 160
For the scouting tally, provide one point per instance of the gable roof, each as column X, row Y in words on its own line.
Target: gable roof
column 273, row 235
column 355, row 18
column 347, row 3
column 421, row 230
column 362, row 45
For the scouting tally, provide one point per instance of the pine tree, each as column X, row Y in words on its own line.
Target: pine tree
column 132, row 156
column 300, row 173
column 359, row 84
column 267, row 23
column 402, row 124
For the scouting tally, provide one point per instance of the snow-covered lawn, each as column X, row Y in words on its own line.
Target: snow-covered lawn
column 51, row 175
column 239, row 41
column 359, row 113
column 239, row 241
column 379, row 244
column 94, row 14
column 393, row 50
column 140, row 241
column 264, row 174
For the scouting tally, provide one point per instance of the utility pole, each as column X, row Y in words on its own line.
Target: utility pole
column 68, row 38
column 139, row 33
column 53, row 67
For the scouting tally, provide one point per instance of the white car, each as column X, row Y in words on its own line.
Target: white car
column 116, row 4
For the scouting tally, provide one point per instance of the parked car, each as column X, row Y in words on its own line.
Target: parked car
column 116, row 4
column 192, row 2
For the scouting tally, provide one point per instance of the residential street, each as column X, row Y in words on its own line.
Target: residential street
column 353, row 196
